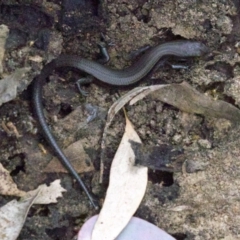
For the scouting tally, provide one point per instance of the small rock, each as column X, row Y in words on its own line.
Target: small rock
column 204, row 143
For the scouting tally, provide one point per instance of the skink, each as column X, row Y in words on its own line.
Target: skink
column 124, row 77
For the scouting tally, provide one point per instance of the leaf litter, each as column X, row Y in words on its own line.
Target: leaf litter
column 181, row 96
column 115, row 213
column 13, row 214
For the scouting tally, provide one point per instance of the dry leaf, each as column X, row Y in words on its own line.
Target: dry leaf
column 111, row 113
column 7, row 185
column 126, row 189
column 47, row 194
column 182, row 96
column 12, row 217
column 188, row 99
column 76, row 155
column 10, row 84
column 122, row 101
column 13, row 214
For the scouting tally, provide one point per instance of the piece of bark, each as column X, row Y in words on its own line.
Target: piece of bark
column 164, row 157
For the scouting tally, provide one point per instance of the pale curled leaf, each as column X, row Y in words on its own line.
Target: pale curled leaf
column 126, row 189
column 12, row 217
column 122, row 101
column 47, row 194
column 7, row 185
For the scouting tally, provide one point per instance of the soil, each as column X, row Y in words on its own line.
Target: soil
column 199, row 204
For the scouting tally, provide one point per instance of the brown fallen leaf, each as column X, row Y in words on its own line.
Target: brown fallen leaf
column 188, row 99
column 76, row 155
column 183, row 96
column 126, row 189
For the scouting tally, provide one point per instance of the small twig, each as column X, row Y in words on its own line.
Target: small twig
column 11, row 129
column 42, row 148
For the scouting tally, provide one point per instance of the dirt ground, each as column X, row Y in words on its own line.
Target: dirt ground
column 203, row 204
